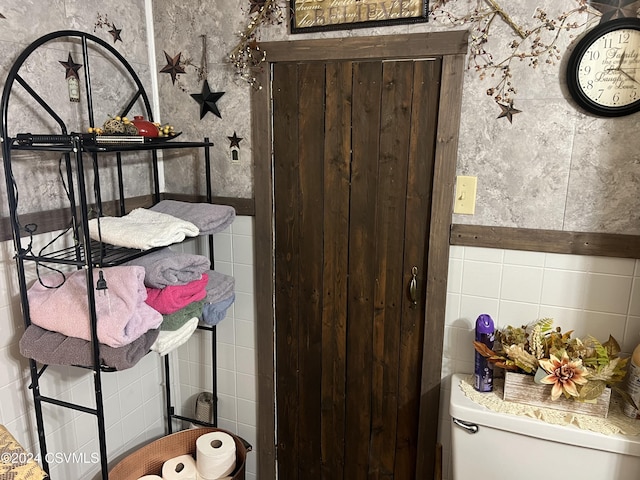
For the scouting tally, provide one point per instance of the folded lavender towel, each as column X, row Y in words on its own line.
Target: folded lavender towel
column 166, row 267
column 142, row 229
column 53, row 348
column 219, row 287
column 122, row 313
column 209, row 218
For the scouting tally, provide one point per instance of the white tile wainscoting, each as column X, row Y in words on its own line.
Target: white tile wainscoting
column 591, row 295
column 236, row 364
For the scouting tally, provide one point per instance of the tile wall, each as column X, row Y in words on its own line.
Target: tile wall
column 236, row 369
column 591, row 295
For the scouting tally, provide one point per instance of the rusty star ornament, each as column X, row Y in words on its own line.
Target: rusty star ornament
column 235, row 140
column 173, row 66
column 115, row 33
column 207, row 100
column 612, row 9
column 507, row 111
column 71, row 68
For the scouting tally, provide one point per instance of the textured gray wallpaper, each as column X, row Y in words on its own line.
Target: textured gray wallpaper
column 554, row 167
column 39, row 184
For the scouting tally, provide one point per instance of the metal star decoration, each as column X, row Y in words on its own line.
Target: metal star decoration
column 235, row 140
column 115, row 33
column 507, row 111
column 173, row 66
column 71, row 68
column 612, row 9
column 207, row 100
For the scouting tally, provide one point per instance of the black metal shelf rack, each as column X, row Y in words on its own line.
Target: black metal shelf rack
column 80, row 156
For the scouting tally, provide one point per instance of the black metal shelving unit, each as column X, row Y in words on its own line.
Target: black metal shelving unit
column 80, row 159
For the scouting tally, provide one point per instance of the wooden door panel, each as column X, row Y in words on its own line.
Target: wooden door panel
column 367, row 91
column 395, row 108
column 353, row 148
column 287, row 256
column 310, row 180
column 424, row 107
column 337, row 163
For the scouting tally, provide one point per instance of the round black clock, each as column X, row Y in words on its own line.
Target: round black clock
column 603, row 71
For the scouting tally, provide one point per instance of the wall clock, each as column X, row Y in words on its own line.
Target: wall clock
column 603, row 71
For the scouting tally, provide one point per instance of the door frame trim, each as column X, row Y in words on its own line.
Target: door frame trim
column 451, row 46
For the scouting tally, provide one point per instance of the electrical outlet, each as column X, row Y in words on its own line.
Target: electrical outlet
column 234, row 155
column 466, row 188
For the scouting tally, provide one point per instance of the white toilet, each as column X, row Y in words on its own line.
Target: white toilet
column 494, row 446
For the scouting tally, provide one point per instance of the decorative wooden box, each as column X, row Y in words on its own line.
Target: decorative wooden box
column 521, row 388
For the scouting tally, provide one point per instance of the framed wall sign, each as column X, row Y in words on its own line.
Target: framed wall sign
column 316, row 15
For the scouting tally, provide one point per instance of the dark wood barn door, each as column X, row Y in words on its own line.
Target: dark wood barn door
column 353, row 149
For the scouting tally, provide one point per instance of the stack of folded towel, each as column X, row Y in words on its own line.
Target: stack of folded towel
column 220, row 296
column 60, row 333
column 181, row 306
column 154, row 302
column 167, row 222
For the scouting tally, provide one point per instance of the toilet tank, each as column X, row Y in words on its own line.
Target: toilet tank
column 486, row 445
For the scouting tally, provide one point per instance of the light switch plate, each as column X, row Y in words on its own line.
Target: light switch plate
column 465, row 195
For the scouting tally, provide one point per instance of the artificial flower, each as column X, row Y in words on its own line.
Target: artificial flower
column 564, row 374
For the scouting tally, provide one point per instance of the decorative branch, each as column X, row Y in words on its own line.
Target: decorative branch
column 537, row 42
column 247, row 55
column 507, row 18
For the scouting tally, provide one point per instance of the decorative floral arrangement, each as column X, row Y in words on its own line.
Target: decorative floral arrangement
column 577, row 368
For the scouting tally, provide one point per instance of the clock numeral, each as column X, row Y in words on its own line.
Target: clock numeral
column 608, row 42
column 623, row 37
column 594, row 55
column 615, row 98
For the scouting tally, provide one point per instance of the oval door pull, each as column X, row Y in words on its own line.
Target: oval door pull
column 413, row 286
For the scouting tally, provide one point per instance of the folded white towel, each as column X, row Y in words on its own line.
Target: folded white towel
column 143, row 229
column 170, row 340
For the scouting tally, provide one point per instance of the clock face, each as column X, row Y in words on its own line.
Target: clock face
column 603, row 72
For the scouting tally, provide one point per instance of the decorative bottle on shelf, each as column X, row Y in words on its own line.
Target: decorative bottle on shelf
column 633, row 384
column 145, row 127
column 485, row 333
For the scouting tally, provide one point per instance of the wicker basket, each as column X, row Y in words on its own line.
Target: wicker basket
column 149, row 459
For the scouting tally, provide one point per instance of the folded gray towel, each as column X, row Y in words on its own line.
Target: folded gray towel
column 219, row 286
column 209, row 218
column 166, row 267
column 53, row 348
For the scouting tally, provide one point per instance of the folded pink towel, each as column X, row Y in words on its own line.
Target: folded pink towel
column 122, row 314
column 174, row 297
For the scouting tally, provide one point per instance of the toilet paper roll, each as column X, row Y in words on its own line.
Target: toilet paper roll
column 180, row 468
column 150, row 477
column 204, row 407
column 215, row 455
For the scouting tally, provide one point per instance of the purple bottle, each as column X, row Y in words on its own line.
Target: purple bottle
column 485, row 333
